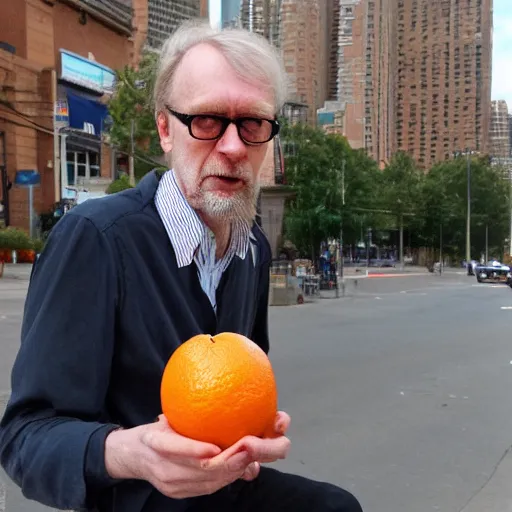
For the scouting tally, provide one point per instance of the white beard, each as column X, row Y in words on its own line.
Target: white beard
column 240, row 206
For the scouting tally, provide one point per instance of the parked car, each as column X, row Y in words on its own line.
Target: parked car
column 493, row 271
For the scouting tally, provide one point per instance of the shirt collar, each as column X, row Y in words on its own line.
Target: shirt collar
column 184, row 227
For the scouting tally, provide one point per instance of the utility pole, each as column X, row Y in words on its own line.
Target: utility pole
column 441, row 247
column 341, row 258
column 468, row 218
column 401, row 241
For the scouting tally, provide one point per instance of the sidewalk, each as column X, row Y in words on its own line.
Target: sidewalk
column 19, row 271
column 496, row 494
column 14, row 283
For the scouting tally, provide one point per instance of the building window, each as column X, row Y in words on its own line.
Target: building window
column 82, row 166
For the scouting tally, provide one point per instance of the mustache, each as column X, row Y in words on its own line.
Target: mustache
column 236, row 172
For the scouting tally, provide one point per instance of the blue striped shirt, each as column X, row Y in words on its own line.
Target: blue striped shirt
column 192, row 240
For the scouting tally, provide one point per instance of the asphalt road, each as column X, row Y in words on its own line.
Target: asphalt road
column 399, row 392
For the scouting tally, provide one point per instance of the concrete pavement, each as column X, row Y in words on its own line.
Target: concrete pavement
column 400, row 394
column 496, row 493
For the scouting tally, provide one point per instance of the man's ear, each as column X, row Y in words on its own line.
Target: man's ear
column 164, row 132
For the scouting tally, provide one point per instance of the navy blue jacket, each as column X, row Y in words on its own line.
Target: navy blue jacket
column 106, row 307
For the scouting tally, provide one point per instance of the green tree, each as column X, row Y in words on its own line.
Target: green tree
column 402, row 192
column 332, row 183
column 131, row 108
column 122, row 183
column 313, row 215
column 445, row 195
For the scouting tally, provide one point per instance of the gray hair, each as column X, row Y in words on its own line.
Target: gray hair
column 251, row 56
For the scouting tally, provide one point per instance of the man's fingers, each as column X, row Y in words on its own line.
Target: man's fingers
column 267, row 450
column 168, row 443
column 259, row 450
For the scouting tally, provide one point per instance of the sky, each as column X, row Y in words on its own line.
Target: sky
column 502, row 47
column 502, row 52
column 214, row 11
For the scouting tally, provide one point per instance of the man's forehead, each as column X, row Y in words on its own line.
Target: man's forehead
column 206, row 82
column 214, row 104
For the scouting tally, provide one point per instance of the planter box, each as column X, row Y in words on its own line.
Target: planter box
column 6, row 255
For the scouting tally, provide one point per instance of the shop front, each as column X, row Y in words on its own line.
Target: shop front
column 81, row 118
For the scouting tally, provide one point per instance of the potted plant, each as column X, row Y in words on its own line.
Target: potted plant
column 12, row 241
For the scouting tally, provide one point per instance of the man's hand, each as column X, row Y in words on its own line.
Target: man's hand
column 180, row 467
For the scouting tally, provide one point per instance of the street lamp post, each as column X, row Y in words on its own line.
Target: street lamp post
column 340, row 250
column 441, row 247
column 468, row 217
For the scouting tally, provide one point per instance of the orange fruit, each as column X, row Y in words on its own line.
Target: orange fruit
column 218, row 389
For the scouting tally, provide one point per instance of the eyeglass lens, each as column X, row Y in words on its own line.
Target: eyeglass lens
column 251, row 130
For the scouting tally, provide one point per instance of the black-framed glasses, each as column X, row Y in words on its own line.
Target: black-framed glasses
column 252, row 130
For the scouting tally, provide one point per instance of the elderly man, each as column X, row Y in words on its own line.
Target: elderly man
column 124, row 280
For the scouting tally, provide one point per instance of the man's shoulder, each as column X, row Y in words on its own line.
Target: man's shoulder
column 106, row 211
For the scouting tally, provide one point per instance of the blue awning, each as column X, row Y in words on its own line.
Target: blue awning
column 84, row 110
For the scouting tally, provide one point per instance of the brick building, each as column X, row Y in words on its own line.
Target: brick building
column 412, row 75
column 443, row 79
column 57, row 62
column 164, row 16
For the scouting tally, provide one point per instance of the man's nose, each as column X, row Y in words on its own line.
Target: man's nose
column 231, row 145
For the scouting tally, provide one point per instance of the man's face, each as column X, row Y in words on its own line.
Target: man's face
column 219, row 178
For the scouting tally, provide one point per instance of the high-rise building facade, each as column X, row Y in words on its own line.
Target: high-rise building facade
column 412, row 75
column 443, row 79
column 164, row 16
column 499, row 134
column 361, row 59
column 300, row 45
column 262, row 17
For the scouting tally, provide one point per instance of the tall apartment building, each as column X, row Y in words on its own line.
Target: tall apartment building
column 262, row 17
column 499, row 133
column 443, row 79
column 361, row 59
column 300, row 45
column 413, row 75
column 164, row 16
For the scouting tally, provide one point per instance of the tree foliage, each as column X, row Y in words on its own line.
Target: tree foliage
column 430, row 204
column 446, row 195
column 122, row 183
column 131, row 108
column 331, row 182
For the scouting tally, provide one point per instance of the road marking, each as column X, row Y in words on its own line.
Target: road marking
column 410, row 274
column 483, row 285
column 506, row 307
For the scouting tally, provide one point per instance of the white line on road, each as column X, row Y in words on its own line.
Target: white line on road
column 503, row 287
column 506, row 307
